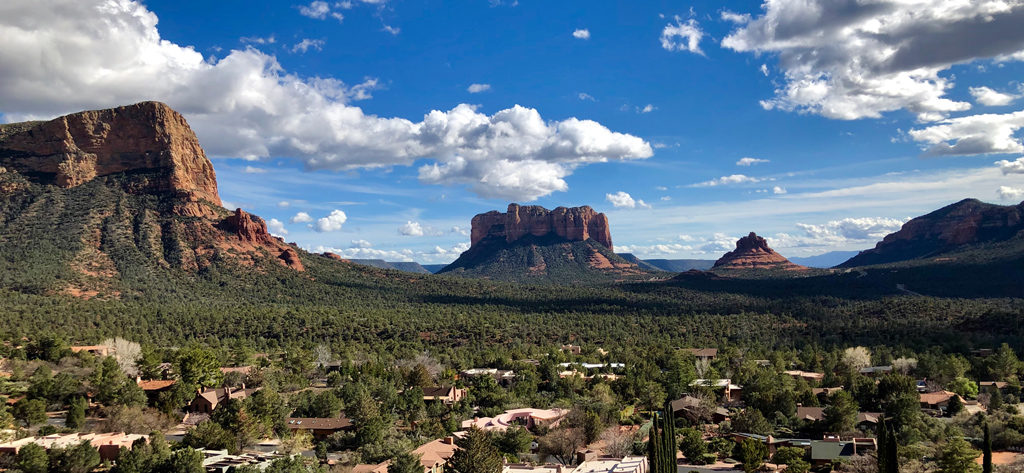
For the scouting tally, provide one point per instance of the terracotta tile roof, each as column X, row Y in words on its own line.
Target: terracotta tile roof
column 936, row 397
column 155, row 384
column 318, row 423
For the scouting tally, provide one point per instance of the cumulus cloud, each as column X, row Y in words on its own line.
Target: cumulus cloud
column 622, row 199
column 856, row 59
column 276, row 227
column 306, row 44
column 777, row 190
column 586, row 97
column 866, row 228
column 460, row 230
column 367, row 253
column 317, row 10
column 360, row 244
column 1011, row 167
column 1010, row 193
column 972, row 135
column 477, row 88
column 750, row 161
column 646, row 108
column 581, row 33
column 682, row 36
column 301, row 217
column 247, row 105
column 332, row 222
column 258, row 40
column 992, row 98
column 411, row 228
column 730, row 179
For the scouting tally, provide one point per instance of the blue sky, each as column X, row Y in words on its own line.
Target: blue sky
column 377, row 129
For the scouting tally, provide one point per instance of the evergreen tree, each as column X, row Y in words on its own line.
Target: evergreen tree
column 986, row 452
column 76, row 414
column 476, row 454
column 892, row 451
column 881, row 452
column 958, row 457
column 32, row 458
column 405, row 463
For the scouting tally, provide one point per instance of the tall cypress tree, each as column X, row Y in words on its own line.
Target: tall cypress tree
column 986, row 452
column 881, row 432
column 892, row 458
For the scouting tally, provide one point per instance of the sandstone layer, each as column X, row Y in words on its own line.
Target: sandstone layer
column 147, row 137
column 753, row 252
column 572, row 224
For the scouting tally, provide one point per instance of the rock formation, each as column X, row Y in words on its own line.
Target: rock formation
column 572, row 224
column 965, row 223
column 162, row 188
column 753, row 252
column 147, row 137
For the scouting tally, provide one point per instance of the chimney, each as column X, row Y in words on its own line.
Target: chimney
column 243, row 386
column 449, row 440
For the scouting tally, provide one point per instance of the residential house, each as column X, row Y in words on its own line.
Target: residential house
column 98, row 350
column 503, row 377
column 808, row 376
column 992, row 386
column 153, row 387
column 703, row 354
column 435, row 454
column 875, row 371
column 208, row 400
column 865, row 420
column 319, row 427
column 528, row 418
column 219, row 461
column 366, row 468
column 632, row 464
column 824, row 451
column 692, row 409
column 108, row 444
column 937, row 401
column 571, row 349
column 729, row 392
column 449, row 395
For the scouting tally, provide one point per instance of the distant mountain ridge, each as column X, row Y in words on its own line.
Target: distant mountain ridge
column 407, row 266
column 954, row 228
column 824, row 260
column 681, row 265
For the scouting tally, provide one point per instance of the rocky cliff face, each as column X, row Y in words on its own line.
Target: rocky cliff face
column 956, row 226
column 123, row 187
column 753, row 252
column 146, row 138
column 572, row 224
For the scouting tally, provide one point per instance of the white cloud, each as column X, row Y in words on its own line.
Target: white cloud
column 317, row 10
column 258, row 40
column 247, row 105
column 306, row 44
column 460, row 230
column 857, row 59
column 284, row 204
column 866, row 228
column 764, row 69
column 581, row 33
column 622, row 199
column 276, row 227
column 750, row 161
column 665, row 198
column 301, row 217
column 778, row 190
column 254, row 170
column 973, row 135
column 367, row 253
column 682, row 36
column 393, row 30
column 1010, row 193
column 586, row 96
column 660, row 188
column 361, row 244
column 646, row 109
column 1011, row 167
column 411, row 228
column 332, row 222
column 730, row 179
column 477, row 88
column 992, row 98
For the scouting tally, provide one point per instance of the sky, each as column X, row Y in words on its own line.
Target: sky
column 378, row 128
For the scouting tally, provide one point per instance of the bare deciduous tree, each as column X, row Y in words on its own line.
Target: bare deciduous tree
column 857, row 357
column 126, row 352
column 323, row 355
column 617, row 443
column 904, row 365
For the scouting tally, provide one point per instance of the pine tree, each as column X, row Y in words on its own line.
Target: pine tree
column 892, row 458
column 986, row 462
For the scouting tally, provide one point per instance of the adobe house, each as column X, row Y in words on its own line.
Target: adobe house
column 320, row 427
column 208, row 400
column 449, row 395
